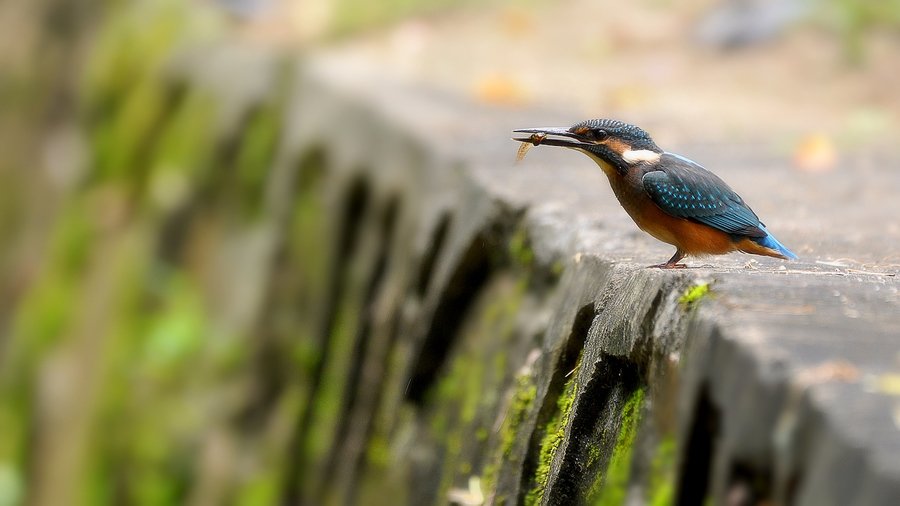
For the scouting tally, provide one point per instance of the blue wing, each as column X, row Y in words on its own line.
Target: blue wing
column 685, row 189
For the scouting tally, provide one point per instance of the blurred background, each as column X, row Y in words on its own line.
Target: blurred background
column 135, row 278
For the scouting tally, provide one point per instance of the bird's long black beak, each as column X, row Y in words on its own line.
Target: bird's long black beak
column 552, row 136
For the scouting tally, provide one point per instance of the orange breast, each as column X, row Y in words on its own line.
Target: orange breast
column 692, row 238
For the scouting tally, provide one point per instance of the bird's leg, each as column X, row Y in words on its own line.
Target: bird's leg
column 673, row 262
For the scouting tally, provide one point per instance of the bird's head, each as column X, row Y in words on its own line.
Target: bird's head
column 614, row 145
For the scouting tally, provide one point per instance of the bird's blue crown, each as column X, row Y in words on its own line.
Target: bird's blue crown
column 635, row 135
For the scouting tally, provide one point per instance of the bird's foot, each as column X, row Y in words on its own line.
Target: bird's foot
column 672, row 263
column 668, row 266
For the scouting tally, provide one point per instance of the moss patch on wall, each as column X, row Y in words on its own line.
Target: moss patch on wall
column 695, row 294
column 661, row 486
column 611, row 487
column 466, row 397
column 554, row 433
column 521, row 404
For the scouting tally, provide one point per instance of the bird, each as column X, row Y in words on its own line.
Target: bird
column 672, row 198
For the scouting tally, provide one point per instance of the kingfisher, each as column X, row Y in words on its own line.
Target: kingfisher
column 672, row 198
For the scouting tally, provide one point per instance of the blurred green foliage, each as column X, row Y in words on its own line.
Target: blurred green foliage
column 124, row 93
column 852, row 19
column 122, row 336
column 256, row 153
column 354, row 15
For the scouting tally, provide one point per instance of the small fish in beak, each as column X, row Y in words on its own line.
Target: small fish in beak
column 533, row 140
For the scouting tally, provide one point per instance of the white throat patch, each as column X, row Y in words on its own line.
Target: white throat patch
column 640, row 155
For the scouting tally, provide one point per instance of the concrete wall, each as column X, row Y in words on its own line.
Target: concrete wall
column 504, row 350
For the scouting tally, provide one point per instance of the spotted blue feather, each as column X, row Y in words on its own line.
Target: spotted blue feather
column 685, row 189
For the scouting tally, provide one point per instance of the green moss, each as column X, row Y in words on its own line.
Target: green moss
column 187, row 141
column 610, row 488
column 519, row 407
column 474, row 391
column 127, row 102
column 520, row 249
column 557, row 268
column 120, row 141
column 12, row 485
column 498, row 317
column 49, row 306
column 15, row 421
column 378, row 453
column 487, row 476
column 462, row 387
column 43, row 320
column 257, row 151
column 593, row 453
column 72, row 242
column 554, row 433
column 465, row 398
column 460, row 392
column 694, row 294
column 661, row 487
column 155, row 352
column 260, row 490
column 308, row 236
column 176, row 334
column 328, row 399
column 115, row 279
column 439, row 424
column 453, row 443
column 134, row 43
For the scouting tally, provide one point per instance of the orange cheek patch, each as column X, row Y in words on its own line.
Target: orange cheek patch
column 616, row 145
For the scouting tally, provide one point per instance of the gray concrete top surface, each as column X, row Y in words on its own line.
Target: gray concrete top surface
column 844, row 222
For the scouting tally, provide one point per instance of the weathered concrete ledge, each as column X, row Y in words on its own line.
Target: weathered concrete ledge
column 484, row 333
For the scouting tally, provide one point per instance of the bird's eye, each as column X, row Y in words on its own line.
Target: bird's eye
column 600, row 135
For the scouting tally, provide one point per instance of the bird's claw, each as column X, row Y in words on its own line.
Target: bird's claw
column 667, row 266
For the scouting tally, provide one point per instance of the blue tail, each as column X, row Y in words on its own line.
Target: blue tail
column 769, row 241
